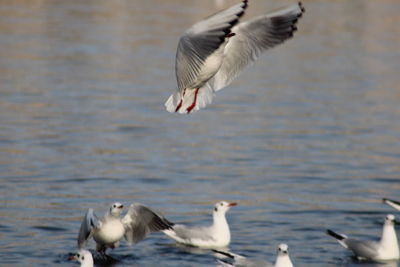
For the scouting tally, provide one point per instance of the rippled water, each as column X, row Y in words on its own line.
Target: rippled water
column 308, row 138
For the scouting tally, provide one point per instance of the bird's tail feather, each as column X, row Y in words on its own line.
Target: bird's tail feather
column 189, row 100
column 335, row 235
column 339, row 237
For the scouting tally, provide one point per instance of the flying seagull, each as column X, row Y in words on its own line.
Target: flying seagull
column 109, row 230
column 386, row 248
column 215, row 235
column 214, row 51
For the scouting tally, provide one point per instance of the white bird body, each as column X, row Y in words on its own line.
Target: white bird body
column 386, row 248
column 216, row 235
column 215, row 50
column 109, row 230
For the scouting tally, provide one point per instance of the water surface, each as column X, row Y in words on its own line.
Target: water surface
column 306, row 139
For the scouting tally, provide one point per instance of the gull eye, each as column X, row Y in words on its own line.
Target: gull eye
column 221, row 204
column 114, row 206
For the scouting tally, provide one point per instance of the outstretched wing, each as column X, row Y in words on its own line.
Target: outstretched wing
column 252, row 38
column 140, row 221
column 89, row 223
column 201, row 40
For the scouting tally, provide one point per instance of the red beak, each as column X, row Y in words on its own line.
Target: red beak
column 232, row 204
column 72, row 258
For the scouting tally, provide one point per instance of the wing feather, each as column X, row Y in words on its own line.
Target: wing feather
column 140, row 221
column 363, row 248
column 89, row 223
column 252, row 38
column 202, row 40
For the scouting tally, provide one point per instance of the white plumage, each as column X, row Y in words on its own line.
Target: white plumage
column 215, row 50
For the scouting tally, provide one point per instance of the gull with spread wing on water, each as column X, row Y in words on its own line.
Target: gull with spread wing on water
column 109, row 230
column 214, row 51
column 213, row 236
column 386, row 248
column 393, row 203
column 282, row 259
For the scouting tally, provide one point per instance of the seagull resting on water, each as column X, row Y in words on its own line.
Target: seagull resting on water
column 215, row 235
column 385, row 249
column 395, row 204
column 215, row 50
column 109, row 230
column 282, row 259
column 84, row 257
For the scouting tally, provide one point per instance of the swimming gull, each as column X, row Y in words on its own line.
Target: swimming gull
column 215, row 235
column 386, row 248
column 282, row 259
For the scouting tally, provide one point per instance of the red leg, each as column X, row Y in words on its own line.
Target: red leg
column 189, row 109
column 180, row 102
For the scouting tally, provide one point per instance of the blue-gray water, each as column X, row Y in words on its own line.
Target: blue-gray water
column 306, row 139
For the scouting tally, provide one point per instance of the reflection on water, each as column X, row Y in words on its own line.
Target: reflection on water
column 307, row 139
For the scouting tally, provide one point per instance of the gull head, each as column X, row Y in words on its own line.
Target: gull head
column 83, row 256
column 390, row 219
column 222, row 207
column 283, row 249
column 116, row 209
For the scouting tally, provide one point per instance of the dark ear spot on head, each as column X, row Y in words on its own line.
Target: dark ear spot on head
column 215, row 209
column 83, row 257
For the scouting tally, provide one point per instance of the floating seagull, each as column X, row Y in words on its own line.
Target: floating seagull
column 385, row 249
column 282, row 259
column 84, row 257
column 108, row 231
column 215, row 50
column 395, row 204
column 215, row 235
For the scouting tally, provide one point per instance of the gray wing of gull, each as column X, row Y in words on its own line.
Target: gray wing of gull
column 362, row 248
column 140, row 221
column 89, row 223
column 252, row 38
column 187, row 233
column 200, row 41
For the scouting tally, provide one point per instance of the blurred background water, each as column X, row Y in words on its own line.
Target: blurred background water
column 306, row 139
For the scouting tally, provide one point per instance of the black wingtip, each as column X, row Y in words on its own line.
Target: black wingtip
column 335, row 235
column 223, row 253
column 301, row 7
